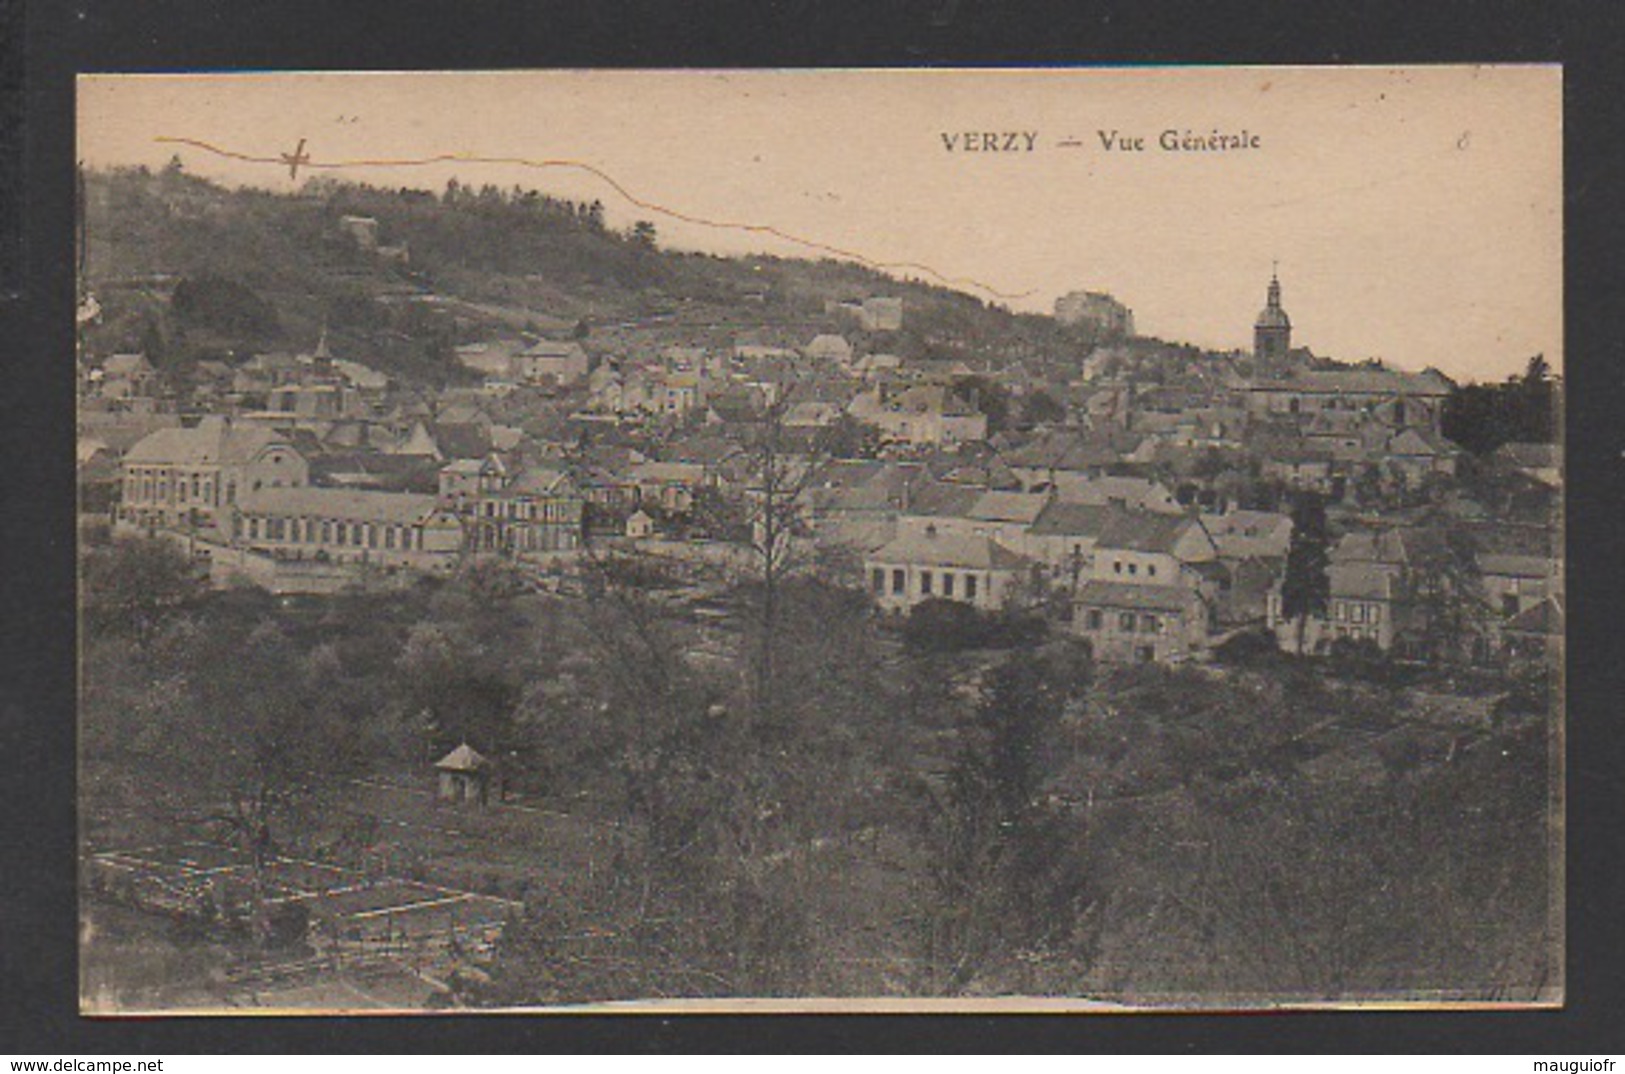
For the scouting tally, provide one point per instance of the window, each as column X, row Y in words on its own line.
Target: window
column 1117, row 567
column 1376, row 612
column 877, row 579
column 925, row 583
column 197, row 487
column 1150, row 624
column 1151, row 569
column 355, row 534
column 254, row 528
column 389, row 536
column 372, row 535
column 899, row 581
column 1125, row 622
column 947, row 583
column 1509, row 604
column 1338, row 610
column 970, row 587
column 327, row 532
column 1357, row 613
column 1093, row 618
column 1134, row 568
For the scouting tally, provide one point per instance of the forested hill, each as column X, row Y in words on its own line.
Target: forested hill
column 185, row 269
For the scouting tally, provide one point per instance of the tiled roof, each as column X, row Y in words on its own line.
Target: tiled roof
column 1545, row 618
column 943, row 499
column 1531, row 456
column 350, row 505
column 1241, row 534
column 404, row 473
column 1371, row 546
column 1072, row 519
column 1360, row 581
column 1135, row 597
column 948, row 550
column 1008, row 506
column 540, row 481
column 549, row 348
column 1360, row 381
column 1126, row 491
column 124, row 365
column 462, row 440
column 673, row 472
column 211, row 441
column 1144, row 531
column 464, row 758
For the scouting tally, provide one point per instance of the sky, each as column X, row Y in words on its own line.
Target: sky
column 1415, row 213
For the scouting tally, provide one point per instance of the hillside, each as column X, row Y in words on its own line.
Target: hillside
column 185, row 269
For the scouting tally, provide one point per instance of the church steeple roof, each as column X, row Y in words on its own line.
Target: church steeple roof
column 1272, row 315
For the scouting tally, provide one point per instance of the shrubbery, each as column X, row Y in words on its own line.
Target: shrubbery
column 947, row 626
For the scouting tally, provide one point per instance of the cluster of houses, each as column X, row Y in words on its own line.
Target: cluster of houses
column 308, row 466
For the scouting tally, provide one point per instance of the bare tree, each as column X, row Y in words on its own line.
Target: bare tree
column 779, row 477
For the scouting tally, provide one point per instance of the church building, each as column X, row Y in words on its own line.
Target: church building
column 1272, row 332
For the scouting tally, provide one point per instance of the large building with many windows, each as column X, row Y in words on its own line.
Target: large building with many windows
column 190, row 479
column 355, row 526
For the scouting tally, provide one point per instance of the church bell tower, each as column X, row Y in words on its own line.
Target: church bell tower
column 1272, row 332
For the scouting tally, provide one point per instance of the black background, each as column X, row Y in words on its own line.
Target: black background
column 38, row 973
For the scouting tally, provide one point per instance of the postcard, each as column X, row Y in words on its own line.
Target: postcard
column 1064, row 539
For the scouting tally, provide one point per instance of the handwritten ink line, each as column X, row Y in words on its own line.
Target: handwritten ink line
column 305, row 161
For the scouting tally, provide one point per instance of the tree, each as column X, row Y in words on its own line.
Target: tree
column 1306, row 588
column 938, row 625
column 1524, row 408
column 778, row 478
column 1012, row 888
column 136, row 584
column 989, row 397
column 225, row 305
column 850, row 438
column 253, row 747
column 643, row 235
column 1042, row 408
column 1447, row 594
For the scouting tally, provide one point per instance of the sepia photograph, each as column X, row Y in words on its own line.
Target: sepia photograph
column 1052, row 539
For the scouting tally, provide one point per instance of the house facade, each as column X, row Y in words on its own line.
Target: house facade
column 1150, row 590
column 529, row 511
column 935, row 566
column 1367, row 577
column 550, row 362
column 1132, row 622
